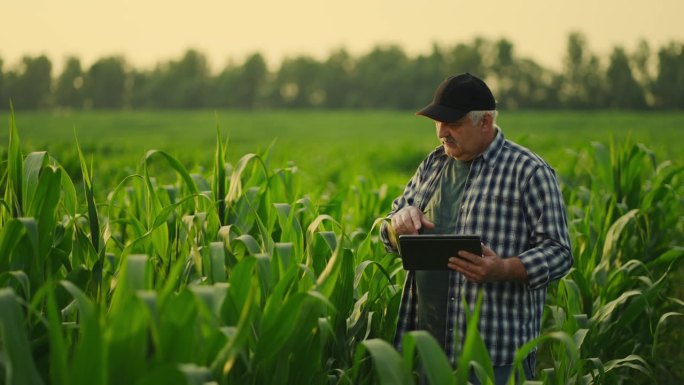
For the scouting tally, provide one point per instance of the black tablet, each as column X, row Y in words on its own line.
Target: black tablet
column 432, row 251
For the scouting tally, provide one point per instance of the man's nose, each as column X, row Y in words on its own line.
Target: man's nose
column 441, row 129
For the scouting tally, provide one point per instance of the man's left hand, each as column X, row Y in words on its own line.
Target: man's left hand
column 487, row 268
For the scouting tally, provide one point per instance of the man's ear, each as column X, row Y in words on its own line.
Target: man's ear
column 487, row 122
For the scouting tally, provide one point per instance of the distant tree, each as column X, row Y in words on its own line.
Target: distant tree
column 105, row 83
column 583, row 85
column 623, row 89
column 29, row 85
column 137, row 94
column 155, row 89
column 467, row 58
column 190, row 78
column 532, row 87
column 297, row 84
column 379, row 75
column 641, row 59
column 668, row 87
column 69, row 91
column 643, row 69
column 180, row 84
column 423, row 74
column 221, row 92
column 240, row 86
column 250, row 82
column 504, row 68
column 337, row 81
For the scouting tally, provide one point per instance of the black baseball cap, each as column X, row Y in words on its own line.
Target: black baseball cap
column 457, row 96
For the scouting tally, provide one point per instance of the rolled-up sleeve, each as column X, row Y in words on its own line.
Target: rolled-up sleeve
column 414, row 189
column 406, row 199
column 550, row 254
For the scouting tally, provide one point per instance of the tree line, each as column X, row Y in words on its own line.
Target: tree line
column 383, row 78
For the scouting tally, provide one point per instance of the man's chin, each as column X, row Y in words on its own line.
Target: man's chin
column 451, row 152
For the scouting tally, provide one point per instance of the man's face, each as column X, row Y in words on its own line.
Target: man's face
column 462, row 139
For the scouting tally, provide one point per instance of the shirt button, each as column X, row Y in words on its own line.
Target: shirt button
column 453, row 299
column 451, row 330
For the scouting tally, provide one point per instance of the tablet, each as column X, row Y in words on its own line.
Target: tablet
column 432, row 251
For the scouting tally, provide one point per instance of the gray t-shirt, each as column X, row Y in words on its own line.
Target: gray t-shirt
column 433, row 285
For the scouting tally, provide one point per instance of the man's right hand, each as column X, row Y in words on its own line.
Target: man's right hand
column 409, row 220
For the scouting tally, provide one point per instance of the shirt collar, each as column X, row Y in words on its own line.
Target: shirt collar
column 492, row 152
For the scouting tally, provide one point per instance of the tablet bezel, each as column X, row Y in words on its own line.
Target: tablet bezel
column 432, row 251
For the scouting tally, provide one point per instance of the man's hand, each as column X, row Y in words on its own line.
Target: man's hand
column 409, row 220
column 489, row 267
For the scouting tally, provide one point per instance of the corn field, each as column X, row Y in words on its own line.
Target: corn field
column 239, row 276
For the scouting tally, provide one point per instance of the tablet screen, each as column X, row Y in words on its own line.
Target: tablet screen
column 432, row 252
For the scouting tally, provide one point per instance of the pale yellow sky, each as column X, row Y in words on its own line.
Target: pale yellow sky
column 146, row 32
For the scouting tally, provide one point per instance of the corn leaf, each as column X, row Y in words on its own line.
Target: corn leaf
column 19, row 365
column 387, row 362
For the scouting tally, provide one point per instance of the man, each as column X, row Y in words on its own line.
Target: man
column 477, row 182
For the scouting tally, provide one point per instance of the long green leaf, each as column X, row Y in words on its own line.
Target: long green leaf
column 88, row 364
column 93, row 218
column 219, row 182
column 13, row 191
column 58, row 351
column 10, row 236
column 387, row 362
column 474, row 349
column 433, row 360
column 33, row 165
column 19, row 365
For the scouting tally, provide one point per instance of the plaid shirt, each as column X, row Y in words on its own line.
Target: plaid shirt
column 512, row 199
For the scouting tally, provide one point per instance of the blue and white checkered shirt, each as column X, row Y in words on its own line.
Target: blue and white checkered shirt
column 512, row 199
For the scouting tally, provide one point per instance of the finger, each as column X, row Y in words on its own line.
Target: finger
column 402, row 223
column 416, row 218
column 427, row 223
column 459, row 267
column 470, row 257
column 487, row 251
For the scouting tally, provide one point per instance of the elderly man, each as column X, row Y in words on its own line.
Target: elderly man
column 478, row 182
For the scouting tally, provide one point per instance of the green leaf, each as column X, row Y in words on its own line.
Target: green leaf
column 93, row 217
column 219, row 181
column 13, row 191
column 236, row 187
column 433, row 361
column 387, row 362
column 292, row 325
column 225, row 359
column 43, row 206
column 663, row 319
column 167, row 374
column 474, row 348
column 218, row 262
column 133, row 276
column 88, row 363
column 58, row 351
column 10, row 236
column 612, row 236
column 33, row 165
column 19, row 365
column 177, row 166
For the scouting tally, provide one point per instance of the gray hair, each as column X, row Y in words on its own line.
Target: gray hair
column 476, row 116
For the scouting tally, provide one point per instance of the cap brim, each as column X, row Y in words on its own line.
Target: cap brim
column 441, row 113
